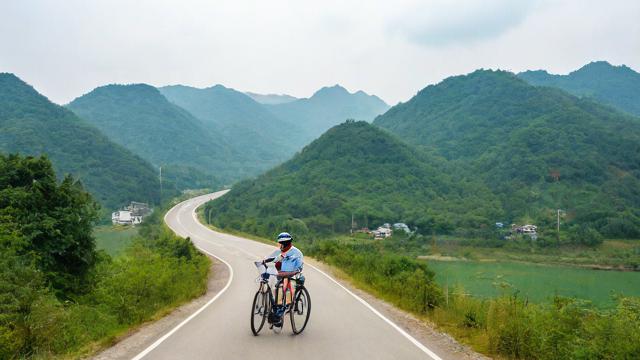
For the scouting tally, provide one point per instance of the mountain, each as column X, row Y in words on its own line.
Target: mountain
column 329, row 106
column 354, row 169
column 30, row 124
column 271, row 99
column 538, row 148
column 141, row 119
column 618, row 86
column 253, row 131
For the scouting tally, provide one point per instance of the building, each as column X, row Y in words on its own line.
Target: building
column 132, row 214
column 382, row 232
column 139, row 209
column 125, row 217
column 529, row 230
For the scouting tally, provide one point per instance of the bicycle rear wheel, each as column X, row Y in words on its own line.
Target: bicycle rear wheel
column 300, row 310
column 259, row 311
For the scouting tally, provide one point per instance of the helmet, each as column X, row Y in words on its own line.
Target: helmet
column 285, row 237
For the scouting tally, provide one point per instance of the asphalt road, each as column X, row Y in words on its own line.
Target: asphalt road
column 341, row 326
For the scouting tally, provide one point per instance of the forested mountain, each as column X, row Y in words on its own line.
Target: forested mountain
column 355, row 169
column 271, row 99
column 251, row 129
column 618, row 86
column 538, row 148
column 30, row 124
column 139, row 118
column 329, row 106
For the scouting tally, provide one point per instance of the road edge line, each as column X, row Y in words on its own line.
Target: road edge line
column 150, row 348
column 413, row 340
column 402, row 332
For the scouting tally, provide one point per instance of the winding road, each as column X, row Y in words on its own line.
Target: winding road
column 342, row 325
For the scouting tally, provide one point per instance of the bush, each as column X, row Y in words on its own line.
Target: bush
column 406, row 282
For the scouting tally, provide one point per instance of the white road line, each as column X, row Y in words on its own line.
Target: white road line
column 165, row 336
column 361, row 300
column 398, row 328
column 413, row 340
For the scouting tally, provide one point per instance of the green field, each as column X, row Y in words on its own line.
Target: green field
column 114, row 239
column 535, row 282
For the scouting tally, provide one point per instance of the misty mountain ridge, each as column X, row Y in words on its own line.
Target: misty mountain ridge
column 271, row 99
column 328, row 107
column 617, row 86
column 234, row 116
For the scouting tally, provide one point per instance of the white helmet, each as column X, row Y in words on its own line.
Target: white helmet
column 284, row 237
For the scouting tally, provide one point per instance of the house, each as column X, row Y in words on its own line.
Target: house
column 132, row 214
column 382, row 232
column 125, row 217
column 139, row 209
column 527, row 229
column 530, row 230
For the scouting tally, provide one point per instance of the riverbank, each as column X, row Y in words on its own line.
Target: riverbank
column 617, row 255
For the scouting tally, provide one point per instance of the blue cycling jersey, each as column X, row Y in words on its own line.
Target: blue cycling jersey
column 292, row 260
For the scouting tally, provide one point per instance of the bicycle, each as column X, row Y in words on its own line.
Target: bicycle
column 264, row 307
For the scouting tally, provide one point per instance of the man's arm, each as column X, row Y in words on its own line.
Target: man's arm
column 273, row 256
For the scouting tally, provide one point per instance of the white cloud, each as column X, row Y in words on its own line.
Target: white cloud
column 444, row 23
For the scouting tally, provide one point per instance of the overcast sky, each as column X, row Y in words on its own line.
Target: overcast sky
column 392, row 49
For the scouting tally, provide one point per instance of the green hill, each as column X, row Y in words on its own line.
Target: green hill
column 31, row 124
column 253, row 131
column 329, row 106
column 355, row 169
column 139, row 118
column 538, row 148
column 618, row 86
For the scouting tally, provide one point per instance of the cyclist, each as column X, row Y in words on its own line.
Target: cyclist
column 289, row 261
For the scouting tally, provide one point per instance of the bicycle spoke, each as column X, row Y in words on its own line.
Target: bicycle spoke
column 300, row 311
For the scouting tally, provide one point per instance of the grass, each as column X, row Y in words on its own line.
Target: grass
column 535, row 282
column 113, row 238
column 611, row 254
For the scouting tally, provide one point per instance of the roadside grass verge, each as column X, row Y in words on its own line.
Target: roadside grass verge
column 157, row 272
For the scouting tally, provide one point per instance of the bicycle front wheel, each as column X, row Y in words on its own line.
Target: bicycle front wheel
column 300, row 310
column 259, row 311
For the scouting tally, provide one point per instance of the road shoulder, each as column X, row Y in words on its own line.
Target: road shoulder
column 439, row 342
column 131, row 344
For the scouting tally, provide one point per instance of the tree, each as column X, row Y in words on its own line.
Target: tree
column 55, row 220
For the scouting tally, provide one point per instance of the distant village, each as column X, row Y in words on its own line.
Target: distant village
column 386, row 230
column 132, row 214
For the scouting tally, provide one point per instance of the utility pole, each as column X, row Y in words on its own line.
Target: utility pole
column 558, row 225
column 160, row 184
column 352, row 224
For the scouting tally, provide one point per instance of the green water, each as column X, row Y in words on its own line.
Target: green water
column 538, row 283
